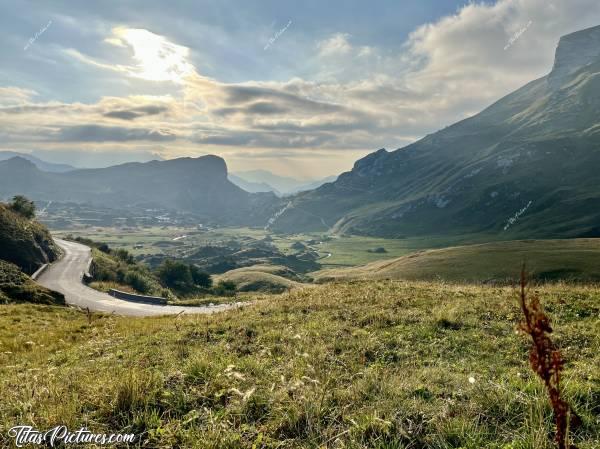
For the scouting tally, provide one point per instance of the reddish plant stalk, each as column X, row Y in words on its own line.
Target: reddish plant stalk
column 545, row 359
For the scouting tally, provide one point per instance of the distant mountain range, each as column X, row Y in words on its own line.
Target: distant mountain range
column 265, row 181
column 196, row 185
column 526, row 166
column 39, row 163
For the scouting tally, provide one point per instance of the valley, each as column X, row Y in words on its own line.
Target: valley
column 443, row 295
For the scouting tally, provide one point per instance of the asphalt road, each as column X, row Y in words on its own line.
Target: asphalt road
column 65, row 276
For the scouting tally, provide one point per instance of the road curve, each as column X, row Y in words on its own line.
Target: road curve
column 65, row 276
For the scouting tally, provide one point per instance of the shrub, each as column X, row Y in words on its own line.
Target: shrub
column 138, row 281
column 23, row 206
column 183, row 277
column 200, row 278
column 225, row 288
column 123, row 254
column 176, row 275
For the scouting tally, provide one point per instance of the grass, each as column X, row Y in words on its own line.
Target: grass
column 378, row 364
column 343, row 250
column 24, row 242
column 262, row 278
column 16, row 286
column 248, row 280
column 549, row 260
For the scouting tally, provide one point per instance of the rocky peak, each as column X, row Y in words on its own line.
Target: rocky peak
column 371, row 164
column 574, row 51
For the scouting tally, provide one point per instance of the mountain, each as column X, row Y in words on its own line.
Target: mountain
column 280, row 185
column 39, row 163
column 252, row 187
column 196, row 185
column 525, row 166
column 316, row 184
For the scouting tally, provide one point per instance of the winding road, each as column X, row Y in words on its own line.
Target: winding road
column 65, row 276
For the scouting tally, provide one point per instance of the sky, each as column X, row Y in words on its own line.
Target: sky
column 301, row 89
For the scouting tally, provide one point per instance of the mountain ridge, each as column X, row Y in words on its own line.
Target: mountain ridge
column 535, row 148
column 196, row 185
column 40, row 163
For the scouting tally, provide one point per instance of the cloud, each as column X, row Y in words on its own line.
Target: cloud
column 97, row 133
column 354, row 94
column 132, row 114
column 12, row 95
column 337, row 44
column 156, row 58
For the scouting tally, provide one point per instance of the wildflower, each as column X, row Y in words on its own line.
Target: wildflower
column 471, row 380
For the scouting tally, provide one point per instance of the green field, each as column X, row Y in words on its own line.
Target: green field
column 352, row 257
column 336, row 251
column 549, row 260
column 378, row 364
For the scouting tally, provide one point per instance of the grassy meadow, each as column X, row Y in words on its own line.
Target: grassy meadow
column 335, row 251
column 548, row 260
column 377, row 364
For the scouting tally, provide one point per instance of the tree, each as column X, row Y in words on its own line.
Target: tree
column 176, row 275
column 200, row 278
column 23, row 206
column 123, row 255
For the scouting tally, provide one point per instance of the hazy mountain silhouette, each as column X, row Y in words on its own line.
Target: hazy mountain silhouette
column 197, row 185
column 39, row 163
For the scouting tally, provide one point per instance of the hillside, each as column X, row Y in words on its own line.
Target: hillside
column 16, row 286
column 368, row 365
column 524, row 167
column 548, row 260
column 25, row 245
column 194, row 185
column 262, row 278
column 24, row 242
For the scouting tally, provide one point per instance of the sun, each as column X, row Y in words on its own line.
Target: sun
column 157, row 58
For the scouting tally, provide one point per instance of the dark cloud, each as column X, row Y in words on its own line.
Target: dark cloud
column 97, row 133
column 133, row 113
column 238, row 94
column 259, row 108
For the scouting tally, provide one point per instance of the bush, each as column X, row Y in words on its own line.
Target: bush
column 122, row 254
column 200, row 278
column 175, row 275
column 23, row 206
column 183, row 277
column 225, row 288
column 138, row 282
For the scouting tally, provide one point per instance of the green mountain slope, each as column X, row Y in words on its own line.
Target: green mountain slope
column 525, row 166
column 24, row 242
column 16, row 286
column 25, row 245
column 547, row 260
